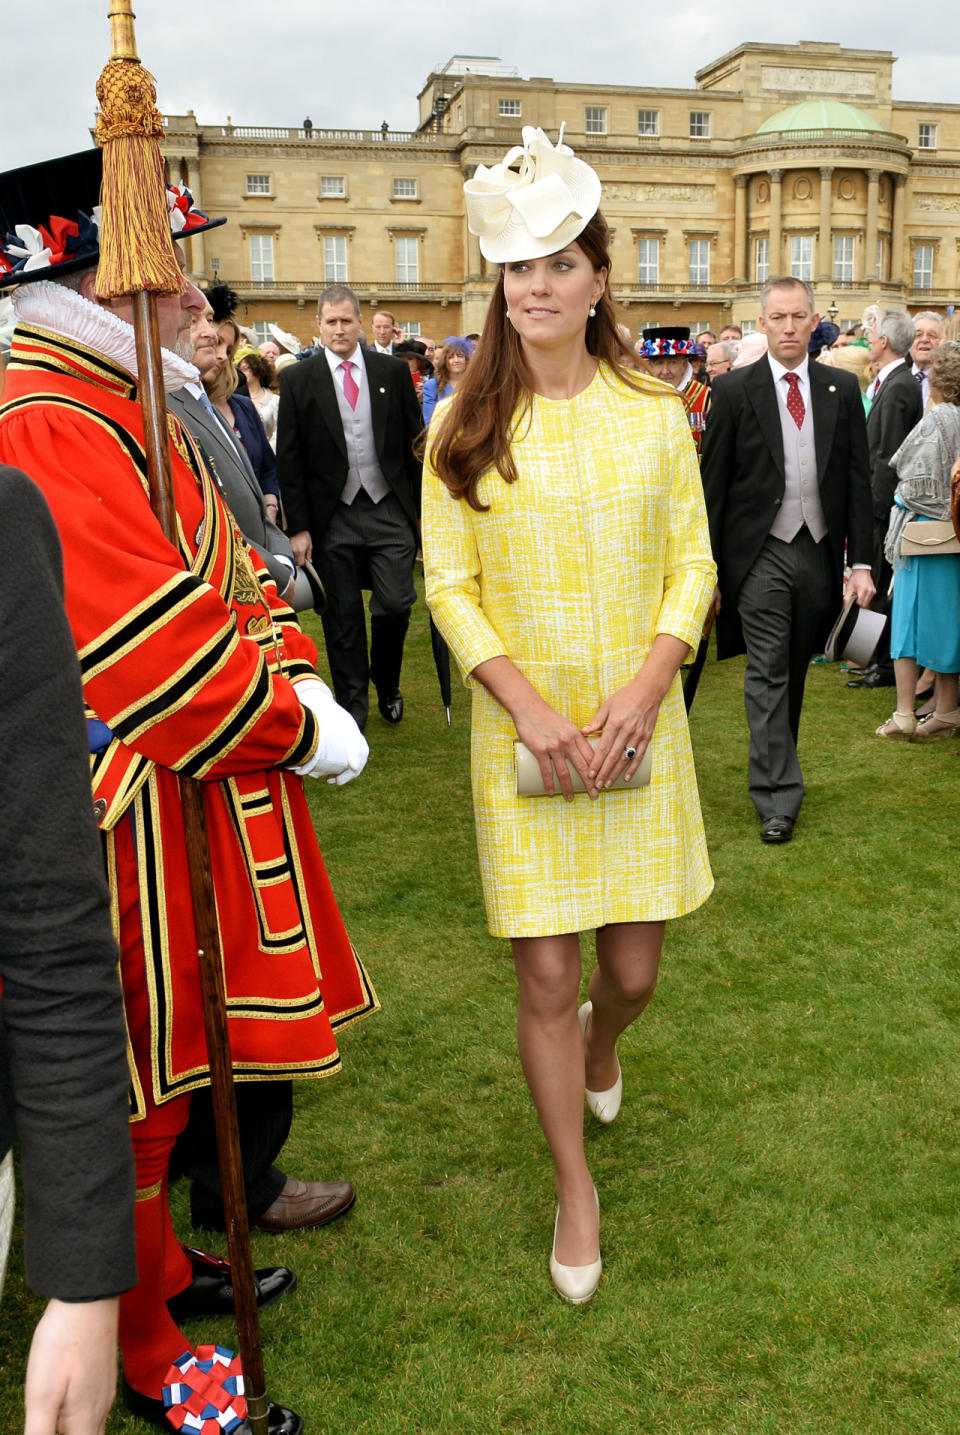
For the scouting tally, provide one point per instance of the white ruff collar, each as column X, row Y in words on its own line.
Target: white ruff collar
column 64, row 311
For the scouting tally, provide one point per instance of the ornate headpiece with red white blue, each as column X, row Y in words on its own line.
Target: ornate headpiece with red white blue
column 665, row 343
column 36, row 234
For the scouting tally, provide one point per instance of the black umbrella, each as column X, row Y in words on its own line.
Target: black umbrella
column 441, row 658
column 694, row 669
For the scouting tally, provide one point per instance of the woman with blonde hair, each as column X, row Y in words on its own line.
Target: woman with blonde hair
column 568, row 567
column 240, row 416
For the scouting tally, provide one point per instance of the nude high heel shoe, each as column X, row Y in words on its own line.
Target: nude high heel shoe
column 575, row 1284
column 603, row 1104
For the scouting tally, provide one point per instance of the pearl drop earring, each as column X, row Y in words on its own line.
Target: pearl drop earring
column 592, row 312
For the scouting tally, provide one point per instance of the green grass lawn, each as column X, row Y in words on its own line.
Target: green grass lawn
column 779, row 1194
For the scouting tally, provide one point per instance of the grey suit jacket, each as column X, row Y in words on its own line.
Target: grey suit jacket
column 237, row 482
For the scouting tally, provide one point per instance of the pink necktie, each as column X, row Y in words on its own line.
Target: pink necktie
column 350, row 386
column 795, row 406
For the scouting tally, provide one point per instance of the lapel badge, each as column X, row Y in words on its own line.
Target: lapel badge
column 832, row 389
column 383, row 391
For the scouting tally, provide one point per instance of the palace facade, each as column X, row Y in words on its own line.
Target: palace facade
column 782, row 158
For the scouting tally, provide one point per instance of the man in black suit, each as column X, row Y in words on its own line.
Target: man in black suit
column 350, row 483
column 786, row 483
column 897, row 406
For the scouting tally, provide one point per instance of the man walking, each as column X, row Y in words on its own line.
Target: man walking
column 786, row 483
column 350, row 483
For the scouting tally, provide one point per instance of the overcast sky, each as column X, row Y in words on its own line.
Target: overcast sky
column 357, row 64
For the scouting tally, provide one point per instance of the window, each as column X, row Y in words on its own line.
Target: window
column 408, row 260
column 927, row 137
column 335, row 258
column 923, row 266
column 509, row 109
column 763, row 260
column 801, row 256
column 748, row 326
column 261, row 257
column 411, row 327
column 648, row 252
column 843, row 257
column 879, row 273
column 699, row 261
column 258, row 184
column 261, row 327
column 648, row 122
column 404, row 189
column 595, row 120
column 333, row 186
column 699, row 124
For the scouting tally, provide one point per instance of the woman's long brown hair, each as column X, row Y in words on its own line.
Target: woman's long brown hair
column 477, row 428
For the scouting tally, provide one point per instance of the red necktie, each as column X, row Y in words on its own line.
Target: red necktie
column 795, row 406
column 350, row 386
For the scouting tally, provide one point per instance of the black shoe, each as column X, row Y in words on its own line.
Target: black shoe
column 210, row 1293
column 874, row 678
column 777, row 829
column 280, row 1420
column 391, row 709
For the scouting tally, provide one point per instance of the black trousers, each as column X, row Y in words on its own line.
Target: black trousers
column 264, row 1113
column 366, row 545
column 882, row 576
column 783, row 603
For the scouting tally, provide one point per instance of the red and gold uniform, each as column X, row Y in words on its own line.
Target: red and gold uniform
column 696, row 401
column 189, row 660
column 189, row 657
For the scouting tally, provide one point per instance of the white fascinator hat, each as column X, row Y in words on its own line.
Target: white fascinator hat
column 537, row 200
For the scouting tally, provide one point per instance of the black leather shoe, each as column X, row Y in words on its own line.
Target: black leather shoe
column 777, row 829
column 210, row 1293
column 874, row 678
column 391, row 709
column 280, row 1420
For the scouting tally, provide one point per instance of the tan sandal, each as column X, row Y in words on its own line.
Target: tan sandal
column 898, row 725
column 940, row 724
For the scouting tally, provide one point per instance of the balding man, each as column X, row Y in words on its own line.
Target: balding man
column 720, row 359
column 929, row 337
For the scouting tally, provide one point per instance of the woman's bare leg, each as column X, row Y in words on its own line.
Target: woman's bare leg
column 628, row 960
column 551, row 1050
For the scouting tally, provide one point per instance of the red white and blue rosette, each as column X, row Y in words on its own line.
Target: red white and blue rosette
column 203, row 1393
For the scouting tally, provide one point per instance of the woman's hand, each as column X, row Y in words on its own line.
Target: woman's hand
column 555, row 742
column 627, row 718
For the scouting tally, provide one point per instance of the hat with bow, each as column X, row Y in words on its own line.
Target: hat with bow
column 537, row 200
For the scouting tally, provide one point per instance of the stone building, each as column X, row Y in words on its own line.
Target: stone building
column 782, row 158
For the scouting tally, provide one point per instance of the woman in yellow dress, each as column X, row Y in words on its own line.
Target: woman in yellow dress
column 568, row 567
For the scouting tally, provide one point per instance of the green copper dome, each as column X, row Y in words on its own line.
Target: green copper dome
column 819, row 115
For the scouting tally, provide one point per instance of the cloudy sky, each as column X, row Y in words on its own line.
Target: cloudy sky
column 355, row 65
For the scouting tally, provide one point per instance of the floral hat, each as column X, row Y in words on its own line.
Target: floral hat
column 665, row 343
column 50, row 218
column 537, row 200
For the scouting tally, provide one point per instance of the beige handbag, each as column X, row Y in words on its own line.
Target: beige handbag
column 530, row 778
column 934, row 535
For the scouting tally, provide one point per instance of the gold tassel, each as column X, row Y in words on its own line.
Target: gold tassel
column 136, row 251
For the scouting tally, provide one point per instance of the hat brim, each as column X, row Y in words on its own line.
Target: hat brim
column 88, row 261
column 855, row 634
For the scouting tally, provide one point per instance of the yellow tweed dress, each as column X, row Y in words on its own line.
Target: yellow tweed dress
column 600, row 545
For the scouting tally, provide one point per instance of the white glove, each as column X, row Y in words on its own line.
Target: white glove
column 342, row 749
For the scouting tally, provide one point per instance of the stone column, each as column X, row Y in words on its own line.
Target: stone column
column 873, row 206
column 776, row 237
column 741, row 260
column 824, row 266
column 896, row 245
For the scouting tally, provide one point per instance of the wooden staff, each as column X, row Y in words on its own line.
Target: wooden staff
column 137, row 259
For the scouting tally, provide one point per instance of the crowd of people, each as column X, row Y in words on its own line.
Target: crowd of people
column 585, row 502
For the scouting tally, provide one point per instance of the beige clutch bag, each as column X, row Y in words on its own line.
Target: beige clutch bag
column 530, row 778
